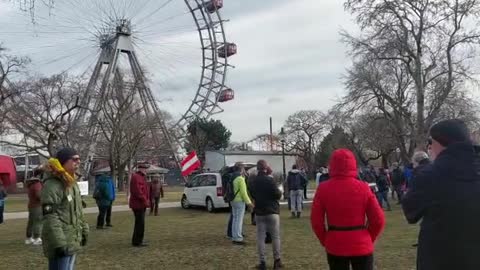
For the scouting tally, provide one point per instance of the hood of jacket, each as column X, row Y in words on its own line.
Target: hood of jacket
column 294, row 171
column 343, row 164
column 54, row 168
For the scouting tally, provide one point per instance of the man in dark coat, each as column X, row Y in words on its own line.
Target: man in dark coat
column 139, row 202
column 398, row 181
column 446, row 195
column 266, row 196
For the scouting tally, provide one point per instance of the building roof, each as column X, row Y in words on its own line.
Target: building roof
column 250, row 153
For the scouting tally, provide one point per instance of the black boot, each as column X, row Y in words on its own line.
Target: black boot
column 299, row 214
column 277, row 264
column 293, row 215
column 262, row 266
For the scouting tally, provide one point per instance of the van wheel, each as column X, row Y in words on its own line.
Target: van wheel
column 210, row 206
column 184, row 202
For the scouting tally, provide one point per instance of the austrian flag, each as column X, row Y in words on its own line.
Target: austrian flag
column 190, row 164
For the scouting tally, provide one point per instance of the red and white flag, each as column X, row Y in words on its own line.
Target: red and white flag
column 190, row 164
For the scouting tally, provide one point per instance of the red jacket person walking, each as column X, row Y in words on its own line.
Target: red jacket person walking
column 139, row 202
column 348, row 205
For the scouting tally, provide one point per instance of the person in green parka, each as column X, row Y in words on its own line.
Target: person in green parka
column 65, row 230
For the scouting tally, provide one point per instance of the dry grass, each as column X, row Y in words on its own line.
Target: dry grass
column 195, row 239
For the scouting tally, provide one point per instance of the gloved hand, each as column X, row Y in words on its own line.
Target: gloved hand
column 84, row 240
column 61, row 252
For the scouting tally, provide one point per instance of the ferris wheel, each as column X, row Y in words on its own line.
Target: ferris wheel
column 153, row 39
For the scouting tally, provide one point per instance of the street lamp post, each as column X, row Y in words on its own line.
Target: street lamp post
column 282, row 136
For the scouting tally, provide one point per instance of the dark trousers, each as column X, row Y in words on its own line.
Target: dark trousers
column 398, row 190
column 34, row 225
column 109, row 215
column 357, row 263
column 102, row 212
column 154, row 205
column 2, row 207
column 229, row 226
column 139, row 229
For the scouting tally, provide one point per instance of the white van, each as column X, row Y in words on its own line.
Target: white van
column 206, row 189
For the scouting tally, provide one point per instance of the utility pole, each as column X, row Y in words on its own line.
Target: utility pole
column 271, row 135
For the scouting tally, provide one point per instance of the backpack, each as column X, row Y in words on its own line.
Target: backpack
column 229, row 194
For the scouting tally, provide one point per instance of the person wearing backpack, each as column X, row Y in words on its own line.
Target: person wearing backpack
column 103, row 196
column 238, row 197
column 295, row 183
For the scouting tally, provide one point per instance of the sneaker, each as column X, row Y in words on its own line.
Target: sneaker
column 239, row 243
column 37, row 242
column 29, row 241
column 277, row 264
column 262, row 266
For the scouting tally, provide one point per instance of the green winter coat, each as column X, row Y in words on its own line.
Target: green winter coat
column 63, row 221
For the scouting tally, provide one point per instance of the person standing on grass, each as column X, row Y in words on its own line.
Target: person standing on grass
column 156, row 191
column 296, row 183
column 241, row 199
column 3, row 195
column 111, row 187
column 103, row 198
column 398, row 181
column 65, row 230
column 34, row 226
column 266, row 196
column 445, row 195
column 139, row 202
column 383, row 187
column 355, row 220
column 305, row 184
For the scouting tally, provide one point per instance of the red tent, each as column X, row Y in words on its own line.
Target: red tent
column 8, row 173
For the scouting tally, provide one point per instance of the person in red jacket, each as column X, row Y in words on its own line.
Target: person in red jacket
column 139, row 202
column 355, row 219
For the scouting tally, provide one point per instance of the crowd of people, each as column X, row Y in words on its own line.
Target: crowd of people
column 441, row 189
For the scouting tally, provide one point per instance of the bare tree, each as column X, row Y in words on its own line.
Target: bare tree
column 434, row 41
column 43, row 113
column 304, row 132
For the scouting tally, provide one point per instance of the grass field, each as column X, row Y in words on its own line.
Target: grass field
column 18, row 202
column 194, row 239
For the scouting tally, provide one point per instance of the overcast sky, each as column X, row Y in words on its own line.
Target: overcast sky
column 289, row 56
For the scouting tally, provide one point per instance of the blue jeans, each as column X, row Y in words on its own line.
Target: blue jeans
column 383, row 197
column 238, row 212
column 63, row 263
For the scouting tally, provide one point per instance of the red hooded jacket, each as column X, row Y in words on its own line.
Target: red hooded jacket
column 345, row 201
column 139, row 193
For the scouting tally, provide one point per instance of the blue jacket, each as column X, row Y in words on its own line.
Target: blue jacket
column 111, row 187
column 104, row 196
column 445, row 195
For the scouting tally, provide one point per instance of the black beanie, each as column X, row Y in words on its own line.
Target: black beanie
column 450, row 131
column 65, row 154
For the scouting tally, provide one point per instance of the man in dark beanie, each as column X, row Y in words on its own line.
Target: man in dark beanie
column 65, row 230
column 446, row 196
column 139, row 202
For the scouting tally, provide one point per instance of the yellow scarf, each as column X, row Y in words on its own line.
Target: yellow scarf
column 58, row 169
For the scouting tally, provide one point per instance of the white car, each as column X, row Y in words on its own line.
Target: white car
column 204, row 190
